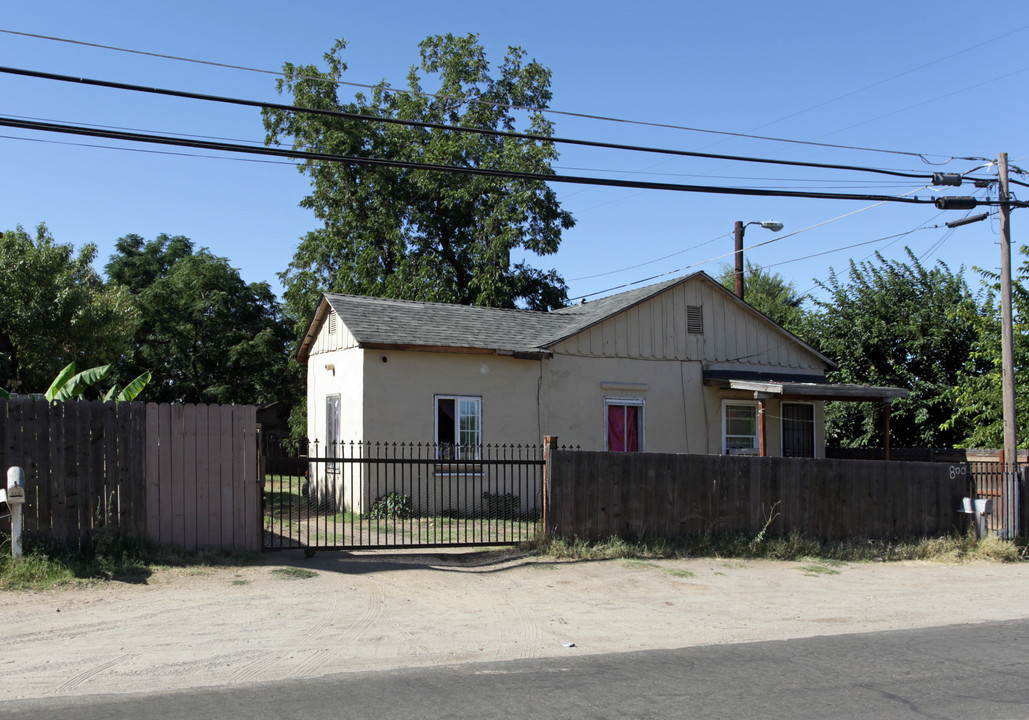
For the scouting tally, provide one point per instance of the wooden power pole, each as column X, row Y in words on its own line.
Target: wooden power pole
column 1007, row 334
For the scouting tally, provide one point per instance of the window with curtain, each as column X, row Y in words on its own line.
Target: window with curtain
column 458, row 427
column 624, row 423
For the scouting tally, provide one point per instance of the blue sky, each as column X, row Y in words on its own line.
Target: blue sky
column 941, row 78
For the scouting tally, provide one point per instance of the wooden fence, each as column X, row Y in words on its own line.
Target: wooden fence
column 596, row 495
column 178, row 475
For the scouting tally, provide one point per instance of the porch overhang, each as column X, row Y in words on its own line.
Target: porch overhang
column 840, row 392
column 803, row 389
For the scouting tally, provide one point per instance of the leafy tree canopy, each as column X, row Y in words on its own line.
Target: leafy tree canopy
column 979, row 404
column 769, row 294
column 206, row 335
column 56, row 309
column 903, row 325
column 415, row 234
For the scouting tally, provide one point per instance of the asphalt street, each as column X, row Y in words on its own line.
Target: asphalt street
column 962, row 671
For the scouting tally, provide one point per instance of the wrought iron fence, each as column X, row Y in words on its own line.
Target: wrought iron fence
column 396, row 495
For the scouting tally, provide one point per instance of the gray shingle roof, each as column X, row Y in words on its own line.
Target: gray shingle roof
column 384, row 321
column 404, row 322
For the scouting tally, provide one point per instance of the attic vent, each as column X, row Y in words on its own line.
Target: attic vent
column 332, row 322
column 695, row 319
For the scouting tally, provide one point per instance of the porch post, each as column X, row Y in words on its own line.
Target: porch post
column 887, row 404
column 762, row 450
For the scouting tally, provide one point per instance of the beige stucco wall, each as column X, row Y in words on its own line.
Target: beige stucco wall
column 329, row 373
column 681, row 414
column 401, row 386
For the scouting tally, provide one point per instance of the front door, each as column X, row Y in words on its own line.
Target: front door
column 798, row 430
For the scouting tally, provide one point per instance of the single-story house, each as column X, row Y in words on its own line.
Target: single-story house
column 682, row 366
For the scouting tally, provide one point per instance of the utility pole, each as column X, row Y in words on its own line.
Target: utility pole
column 1007, row 334
column 738, row 274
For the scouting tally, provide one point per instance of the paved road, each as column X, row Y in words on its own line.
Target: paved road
column 966, row 671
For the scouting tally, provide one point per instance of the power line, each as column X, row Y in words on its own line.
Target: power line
column 586, row 116
column 485, row 172
column 449, row 128
column 148, row 151
column 774, row 239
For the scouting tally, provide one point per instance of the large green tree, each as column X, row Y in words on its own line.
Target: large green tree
column 56, row 309
column 897, row 324
column 206, row 335
column 771, row 295
column 979, row 405
column 417, row 234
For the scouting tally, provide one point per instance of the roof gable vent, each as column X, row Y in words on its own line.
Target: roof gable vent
column 695, row 319
column 332, row 322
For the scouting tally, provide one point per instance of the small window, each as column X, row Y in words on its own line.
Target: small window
column 458, row 427
column 623, row 423
column 332, row 422
column 739, row 428
column 695, row 319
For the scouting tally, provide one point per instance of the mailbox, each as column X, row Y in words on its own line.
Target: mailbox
column 15, row 486
column 984, row 506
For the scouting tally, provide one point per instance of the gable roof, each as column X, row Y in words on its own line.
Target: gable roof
column 382, row 322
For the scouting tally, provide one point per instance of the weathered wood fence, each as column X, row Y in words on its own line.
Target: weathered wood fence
column 178, row 475
column 596, row 495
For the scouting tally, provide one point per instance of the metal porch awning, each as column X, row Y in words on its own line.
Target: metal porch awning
column 800, row 390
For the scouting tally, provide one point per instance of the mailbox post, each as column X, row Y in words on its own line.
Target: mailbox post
column 15, row 500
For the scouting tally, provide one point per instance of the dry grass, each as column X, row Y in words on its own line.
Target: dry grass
column 946, row 549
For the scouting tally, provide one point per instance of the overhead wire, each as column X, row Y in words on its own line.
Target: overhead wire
column 441, row 126
column 508, row 106
column 462, row 170
column 708, row 242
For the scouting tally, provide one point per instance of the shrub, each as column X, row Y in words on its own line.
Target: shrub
column 393, row 506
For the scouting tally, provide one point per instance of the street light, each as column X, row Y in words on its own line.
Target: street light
column 772, row 225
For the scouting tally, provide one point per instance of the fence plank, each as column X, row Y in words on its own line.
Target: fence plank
column 189, row 477
column 176, row 477
column 239, row 480
column 214, row 492
column 225, row 461
column 101, row 506
column 153, row 461
column 203, row 479
column 252, row 481
column 166, row 484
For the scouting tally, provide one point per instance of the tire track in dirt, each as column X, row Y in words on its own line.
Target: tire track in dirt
column 527, row 632
column 299, row 644
column 93, row 671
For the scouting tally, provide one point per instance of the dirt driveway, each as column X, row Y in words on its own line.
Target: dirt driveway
column 362, row 611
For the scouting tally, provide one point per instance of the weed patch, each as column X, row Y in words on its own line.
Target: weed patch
column 107, row 558
column 815, row 570
column 796, row 547
column 293, row 573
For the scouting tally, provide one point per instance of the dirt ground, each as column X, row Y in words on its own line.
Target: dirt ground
column 362, row 611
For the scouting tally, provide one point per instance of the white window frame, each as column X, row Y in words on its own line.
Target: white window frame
column 628, row 402
column 757, row 426
column 332, row 444
column 782, row 430
column 459, row 451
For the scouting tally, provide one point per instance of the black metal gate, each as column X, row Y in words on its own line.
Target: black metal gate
column 364, row 495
